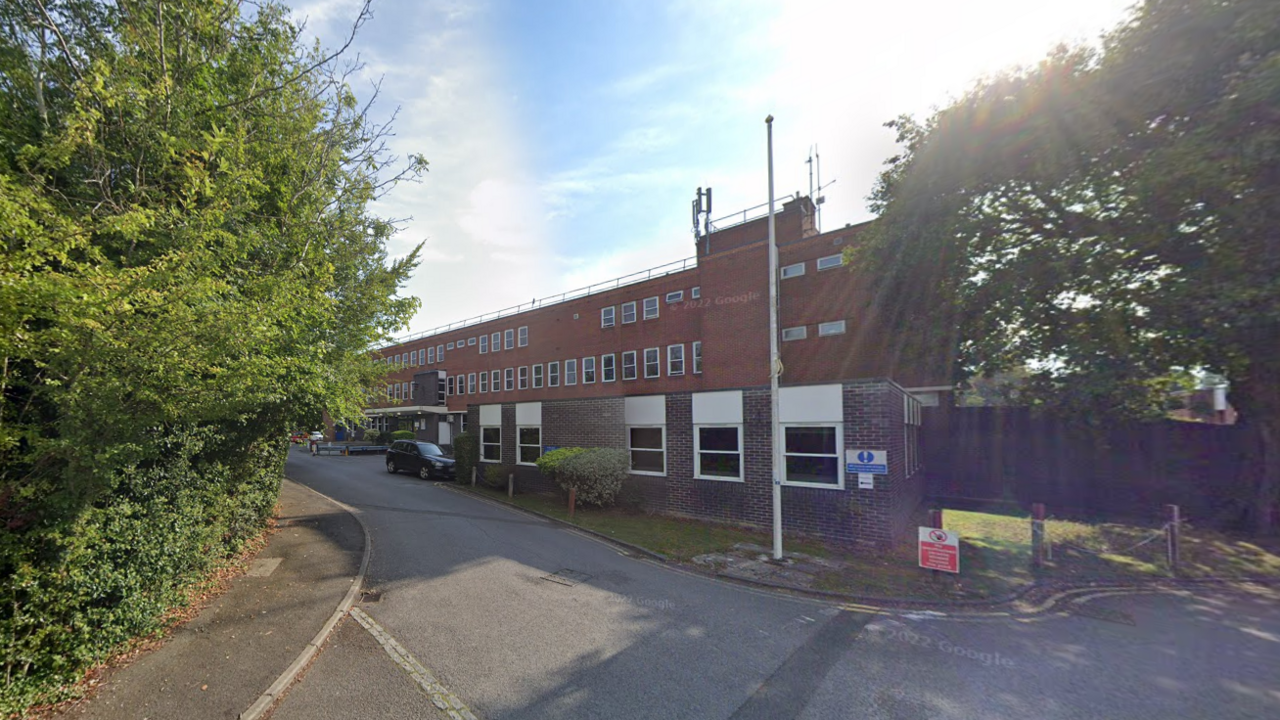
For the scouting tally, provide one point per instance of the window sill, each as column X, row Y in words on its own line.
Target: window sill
column 491, row 462
column 819, row 486
column 525, row 464
column 647, row 473
column 718, row 479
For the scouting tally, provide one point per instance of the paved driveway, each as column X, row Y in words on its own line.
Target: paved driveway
column 462, row 589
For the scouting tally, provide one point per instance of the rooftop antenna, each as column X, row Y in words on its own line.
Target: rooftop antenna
column 819, row 198
column 702, row 230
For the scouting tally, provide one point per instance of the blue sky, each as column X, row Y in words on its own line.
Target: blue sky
column 567, row 138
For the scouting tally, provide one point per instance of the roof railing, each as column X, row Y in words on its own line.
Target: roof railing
column 633, row 278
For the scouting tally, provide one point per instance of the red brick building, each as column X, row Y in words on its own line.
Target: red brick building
column 673, row 364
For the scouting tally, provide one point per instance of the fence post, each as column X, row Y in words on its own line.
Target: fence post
column 935, row 518
column 1171, row 534
column 1037, row 534
column 511, row 486
column 573, row 500
column 473, row 476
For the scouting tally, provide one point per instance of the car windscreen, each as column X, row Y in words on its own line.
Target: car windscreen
column 430, row 449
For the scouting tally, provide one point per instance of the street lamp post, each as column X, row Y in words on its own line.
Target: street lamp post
column 775, row 364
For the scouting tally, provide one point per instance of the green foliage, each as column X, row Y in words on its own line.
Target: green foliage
column 549, row 463
column 596, row 474
column 373, row 437
column 188, row 271
column 1106, row 219
column 402, row 435
column 466, row 455
column 495, row 476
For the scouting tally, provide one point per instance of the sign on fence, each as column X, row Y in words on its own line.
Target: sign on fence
column 939, row 550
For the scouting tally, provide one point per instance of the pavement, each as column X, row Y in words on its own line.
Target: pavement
column 473, row 610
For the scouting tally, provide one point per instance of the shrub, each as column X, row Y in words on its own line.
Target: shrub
column 550, row 462
column 495, row 476
column 596, row 474
column 466, row 451
column 373, row 437
column 402, row 435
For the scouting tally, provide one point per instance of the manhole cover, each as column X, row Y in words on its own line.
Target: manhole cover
column 371, row 596
column 567, row 577
column 1094, row 612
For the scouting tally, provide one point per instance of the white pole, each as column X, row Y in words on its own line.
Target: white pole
column 775, row 362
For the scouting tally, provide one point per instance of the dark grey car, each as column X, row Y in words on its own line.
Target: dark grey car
column 424, row 459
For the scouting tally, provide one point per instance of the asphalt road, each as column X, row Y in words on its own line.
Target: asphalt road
column 461, row 588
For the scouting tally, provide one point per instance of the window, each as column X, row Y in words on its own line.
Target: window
column 628, row 312
column 553, row 374
column 675, row 296
column 530, row 445
column 491, row 444
column 606, row 317
column 911, row 433
column 537, row 376
column 470, row 341
column 652, row 363
column 675, row 359
column 835, row 327
column 608, row 370
column 439, row 353
column 413, row 391
column 471, row 383
column 696, row 292
column 524, row 336
column 791, row 271
column 413, row 358
column 495, row 342
column 389, row 393
column 570, row 372
column 524, row 377
column 717, row 452
column 431, row 356
column 629, row 365
column 697, row 357
column 484, row 382
column 452, row 389
column 508, row 339
column 484, row 344
column 812, row 455
column 509, row 379
column 648, row 450
column 795, row 333
column 495, row 380
column 650, row 308
column 588, row 370
column 395, row 390
column 830, row 261
column 449, row 346
column 404, row 390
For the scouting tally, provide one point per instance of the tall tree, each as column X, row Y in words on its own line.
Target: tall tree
column 1109, row 217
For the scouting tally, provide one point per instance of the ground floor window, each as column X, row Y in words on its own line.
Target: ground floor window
column 491, row 444
column 813, row 455
column 718, row 452
column 530, row 444
column 648, row 450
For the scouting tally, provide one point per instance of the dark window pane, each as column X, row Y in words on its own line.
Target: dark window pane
column 492, row 435
column 721, row 465
column 430, row 449
column 813, row 470
column 529, row 453
column 646, row 438
column 492, row 452
column 719, row 438
column 820, row 440
column 531, row 436
column 647, row 460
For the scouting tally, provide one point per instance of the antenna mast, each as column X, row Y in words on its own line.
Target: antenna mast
column 703, row 232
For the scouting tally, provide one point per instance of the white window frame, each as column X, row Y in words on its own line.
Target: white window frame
column 522, row 336
column 657, row 358
column 537, row 376
column 839, row 449
column 495, row 381
column 570, row 372
column 911, row 408
column 470, row 341
column 449, row 345
column 671, row 360
column 451, row 385
column 830, row 261
column 589, row 370
column 654, row 316
column 553, row 373
column 674, row 296
column 696, row 352
column 495, row 341
column 471, row 383
column 608, row 316
column 484, row 445
column 484, row 382
column 663, row 449
column 484, row 344
column 635, row 373
column 520, row 445
column 509, row 379
column 440, row 353
column 508, row 339
column 608, row 368
column 523, row 373
column 791, row 334
column 628, row 306
column 834, row 327
column 790, row 271
column 696, row 292
column 697, row 453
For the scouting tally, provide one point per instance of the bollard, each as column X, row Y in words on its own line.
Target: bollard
column 573, row 500
column 473, row 476
column 1037, row 534
column 1171, row 536
column 511, row 486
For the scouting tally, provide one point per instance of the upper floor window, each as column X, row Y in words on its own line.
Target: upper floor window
column 795, row 333
column 791, row 271
column 652, row 363
column 553, row 374
column 651, row 308
column 675, row 296
column 606, row 317
column 570, row 372
column 830, row 261
column 628, row 312
column 697, row 357
column 484, row 382
column 835, row 327
column 675, row 359
column 537, row 376
column 495, row 380
column 470, row 341
column 524, row 336
column 608, row 371
column 452, row 387
column 588, row 370
column 508, row 339
column 696, row 292
column 471, row 383
column 484, row 344
column 449, row 346
column 524, row 377
column 440, row 353
column 629, row 365
column 495, row 342
column 509, row 379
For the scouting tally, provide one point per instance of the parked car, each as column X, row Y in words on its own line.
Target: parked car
column 316, row 435
column 425, row 459
column 297, row 438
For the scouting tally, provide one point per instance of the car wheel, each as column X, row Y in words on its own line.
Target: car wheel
column 424, row 472
column 391, row 467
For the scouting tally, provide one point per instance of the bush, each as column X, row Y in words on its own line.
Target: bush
column 549, row 463
column 402, row 435
column 373, row 437
column 596, row 474
column 495, row 476
column 466, row 453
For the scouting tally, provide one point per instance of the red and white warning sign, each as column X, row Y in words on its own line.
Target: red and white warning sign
column 939, row 550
